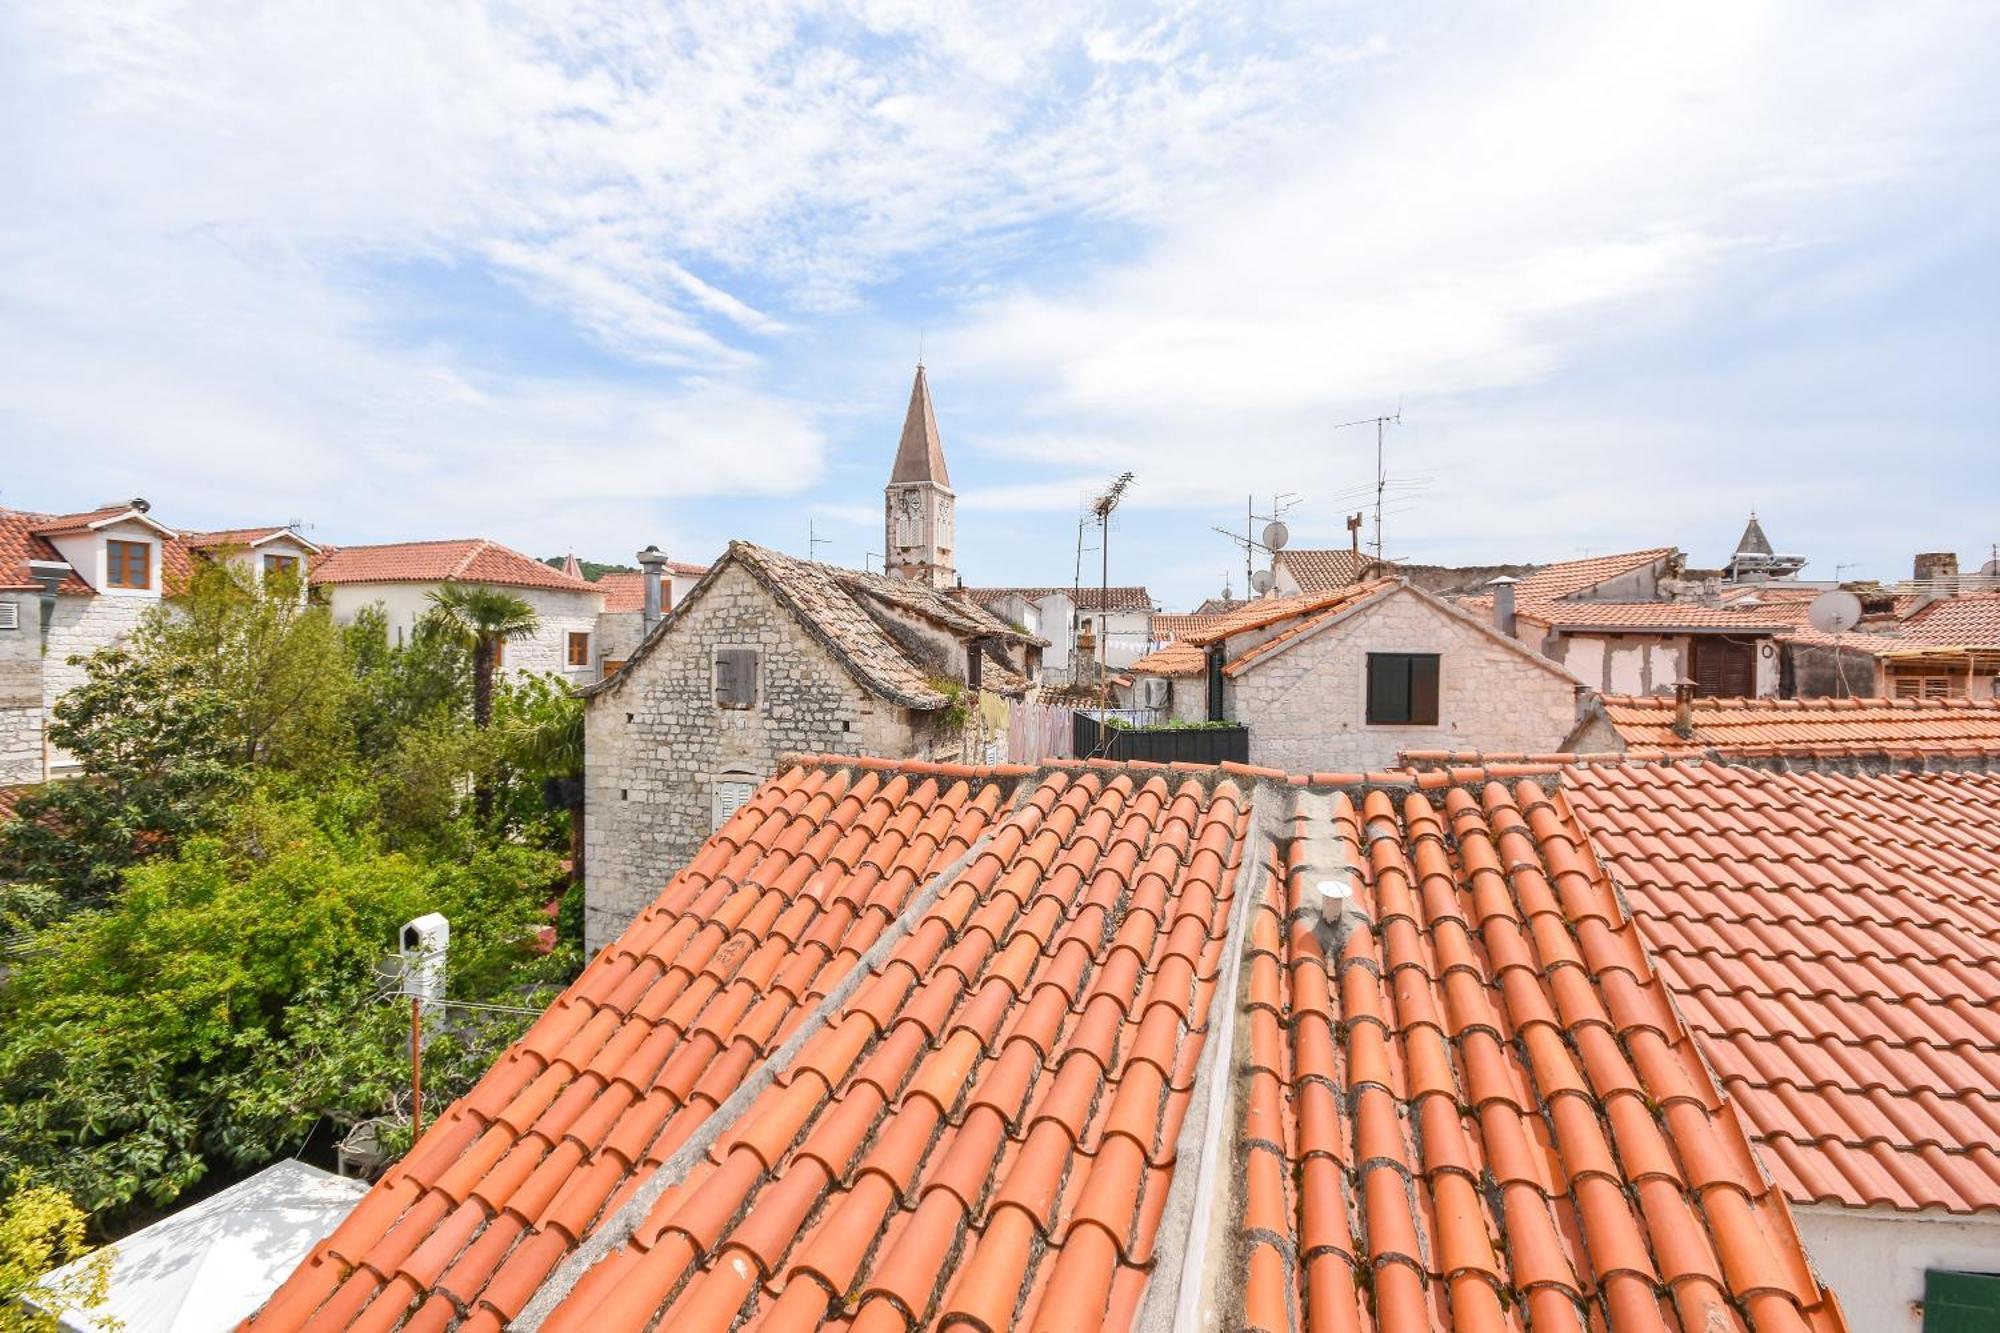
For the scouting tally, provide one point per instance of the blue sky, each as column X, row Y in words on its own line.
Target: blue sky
column 597, row 276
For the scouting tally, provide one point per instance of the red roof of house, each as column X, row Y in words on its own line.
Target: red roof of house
column 1807, row 726
column 1834, row 942
column 1087, row 598
column 20, row 543
column 921, row 1044
column 1324, row 570
column 625, row 590
column 1664, row 617
column 1170, row 627
column 469, row 560
column 1179, row 658
column 1566, row 578
column 1969, row 620
column 244, row 537
column 1268, row 611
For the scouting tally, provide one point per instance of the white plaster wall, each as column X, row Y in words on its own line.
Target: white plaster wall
column 558, row 612
column 86, row 553
column 1874, row 1258
column 1647, row 663
column 1306, row 707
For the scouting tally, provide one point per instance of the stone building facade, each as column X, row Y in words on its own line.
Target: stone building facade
column 919, row 507
column 838, row 662
column 1306, row 706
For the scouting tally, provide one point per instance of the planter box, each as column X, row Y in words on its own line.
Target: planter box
column 1161, row 745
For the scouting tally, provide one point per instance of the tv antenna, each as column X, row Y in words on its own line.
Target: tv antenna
column 814, row 541
column 1102, row 507
column 1381, row 472
column 1273, row 538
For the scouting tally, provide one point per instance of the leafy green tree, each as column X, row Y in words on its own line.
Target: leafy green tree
column 538, row 730
column 417, row 683
column 227, row 997
column 40, row 1229
column 156, row 740
column 276, row 656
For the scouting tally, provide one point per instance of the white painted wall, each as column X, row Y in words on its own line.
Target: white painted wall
column 558, row 611
column 1875, row 1258
column 1644, row 663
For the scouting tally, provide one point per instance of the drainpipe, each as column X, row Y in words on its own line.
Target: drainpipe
column 653, row 561
column 1503, row 605
column 1214, row 662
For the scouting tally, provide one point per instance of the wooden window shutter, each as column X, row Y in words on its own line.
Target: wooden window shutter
column 736, row 677
column 1424, row 689
column 10, row 615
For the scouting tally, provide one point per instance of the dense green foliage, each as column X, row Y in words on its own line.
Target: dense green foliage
column 267, row 798
column 40, row 1229
column 592, row 570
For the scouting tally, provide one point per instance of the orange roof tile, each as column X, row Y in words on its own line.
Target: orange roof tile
column 1566, row 578
column 1834, row 941
column 1324, row 570
column 1660, row 616
column 1087, row 598
column 20, row 543
column 1970, row 620
column 1478, row 1109
column 244, row 537
column 1268, row 611
column 920, row 1044
column 1170, row 627
column 1179, row 658
column 467, row 560
column 625, row 590
column 1807, row 726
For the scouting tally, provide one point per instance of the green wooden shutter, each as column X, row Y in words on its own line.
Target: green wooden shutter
column 1961, row 1302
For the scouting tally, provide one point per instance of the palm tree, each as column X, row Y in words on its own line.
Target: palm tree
column 484, row 618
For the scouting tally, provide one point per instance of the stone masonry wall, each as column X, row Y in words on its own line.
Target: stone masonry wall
column 79, row 627
column 1306, row 707
column 21, row 691
column 20, row 744
column 656, row 744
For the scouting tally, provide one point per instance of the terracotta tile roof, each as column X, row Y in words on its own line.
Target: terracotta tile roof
column 20, row 543
column 1324, row 570
column 1566, row 578
column 244, row 537
column 63, row 525
column 1969, row 620
column 1268, row 611
column 1663, row 616
column 1834, row 941
column 1806, row 726
column 923, row 1045
column 1132, row 598
column 625, row 590
column 466, row 560
column 1179, row 658
column 1215, row 606
column 1166, row 627
column 1479, row 1111
column 10, row 797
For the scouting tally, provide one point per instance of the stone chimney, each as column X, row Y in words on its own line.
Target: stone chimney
column 653, row 561
column 1938, row 566
column 1684, row 709
column 1503, row 605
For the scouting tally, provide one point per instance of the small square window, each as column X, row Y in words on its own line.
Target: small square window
column 731, row 795
column 1403, row 689
column 128, row 564
column 579, row 649
column 287, row 565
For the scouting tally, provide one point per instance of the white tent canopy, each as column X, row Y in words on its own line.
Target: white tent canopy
column 209, row 1266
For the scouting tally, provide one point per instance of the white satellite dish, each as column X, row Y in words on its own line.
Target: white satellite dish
column 1276, row 534
column 1261, row 581
column 1834, row 612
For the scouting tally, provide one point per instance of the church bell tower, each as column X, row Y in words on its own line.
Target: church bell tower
column 918, row 501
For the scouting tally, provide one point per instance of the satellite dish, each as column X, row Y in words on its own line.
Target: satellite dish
column 1834, row 612
column 1261, row 581
column 1276, row 534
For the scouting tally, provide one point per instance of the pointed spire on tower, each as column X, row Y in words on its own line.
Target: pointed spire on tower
column 920, row 455
column 571, row 567
column 1753, row 541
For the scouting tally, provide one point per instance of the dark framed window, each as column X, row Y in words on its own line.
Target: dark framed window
column 735, row 677
column 579, row 648
column 128, row 564
column 281, row 564
column 1403, row 689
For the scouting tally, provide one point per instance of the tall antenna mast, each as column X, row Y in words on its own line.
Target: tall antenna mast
column 1381, row 470
column 814, row 541
column 1102, row 507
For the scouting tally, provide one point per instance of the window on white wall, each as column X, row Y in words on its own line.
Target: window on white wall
column 10, row 615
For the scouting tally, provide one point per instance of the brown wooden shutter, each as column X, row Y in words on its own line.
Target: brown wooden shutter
column 736, row 677
column 1424, row 689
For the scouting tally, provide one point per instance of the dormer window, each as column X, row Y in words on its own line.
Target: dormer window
column 281, row 564
column 128, row 565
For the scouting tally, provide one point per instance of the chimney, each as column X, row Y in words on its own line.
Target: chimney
column 1503, row 604
column 1939, row 566
column 653, row 562
column 1213, row 657
column 1684, row 709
